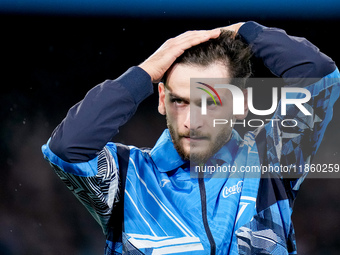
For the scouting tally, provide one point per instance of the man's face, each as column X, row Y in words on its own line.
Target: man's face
column 192, row 133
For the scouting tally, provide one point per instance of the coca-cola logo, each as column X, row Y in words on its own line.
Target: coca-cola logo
column 228, row 191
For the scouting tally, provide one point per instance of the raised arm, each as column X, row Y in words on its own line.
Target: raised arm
column 91, row 123
column 300, row 64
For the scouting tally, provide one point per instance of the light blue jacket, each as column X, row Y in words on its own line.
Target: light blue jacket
column 166, row 209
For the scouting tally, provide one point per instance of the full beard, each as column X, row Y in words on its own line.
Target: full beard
column 202, row 156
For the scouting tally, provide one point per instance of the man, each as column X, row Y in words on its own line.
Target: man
column 164, row 210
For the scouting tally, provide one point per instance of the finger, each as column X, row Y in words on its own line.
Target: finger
column 234, row 27
column 192, row 38
column 200, row 35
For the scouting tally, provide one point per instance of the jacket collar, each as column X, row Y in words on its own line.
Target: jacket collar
column 164, row 154
column 166, row 158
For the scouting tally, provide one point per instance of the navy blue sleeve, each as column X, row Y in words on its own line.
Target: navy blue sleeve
column 91, row 123
column 286, row 56
column 299, row 63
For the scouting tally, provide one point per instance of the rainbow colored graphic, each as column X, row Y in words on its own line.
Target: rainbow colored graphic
column 211, row 88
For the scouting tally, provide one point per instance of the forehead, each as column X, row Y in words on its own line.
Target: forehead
column 180, row 75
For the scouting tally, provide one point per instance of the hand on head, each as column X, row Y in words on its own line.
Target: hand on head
column 160, row 61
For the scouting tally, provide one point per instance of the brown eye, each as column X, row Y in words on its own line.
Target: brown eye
column 177, row 101
column 210, row 103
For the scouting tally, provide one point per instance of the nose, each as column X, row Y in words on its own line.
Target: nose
column 193, row 119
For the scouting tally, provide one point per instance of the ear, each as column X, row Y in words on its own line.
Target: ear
column 161, row 100
column 246, row 109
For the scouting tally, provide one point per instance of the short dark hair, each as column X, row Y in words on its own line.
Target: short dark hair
column 228, row 49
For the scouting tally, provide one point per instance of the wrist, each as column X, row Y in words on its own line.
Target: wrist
column 150, row 71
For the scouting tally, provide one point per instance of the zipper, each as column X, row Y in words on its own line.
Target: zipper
column 204, row 213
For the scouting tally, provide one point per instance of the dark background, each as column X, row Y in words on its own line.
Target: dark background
column 48, row 62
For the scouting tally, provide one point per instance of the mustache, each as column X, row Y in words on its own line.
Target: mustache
column 194, row 134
